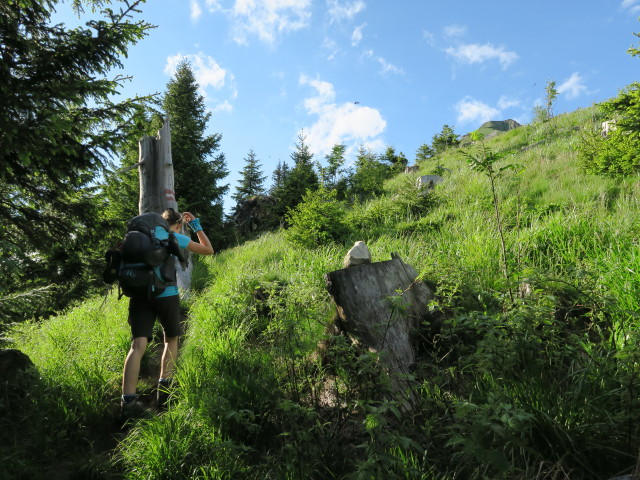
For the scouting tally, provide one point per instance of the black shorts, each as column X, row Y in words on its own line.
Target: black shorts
column 143, row 313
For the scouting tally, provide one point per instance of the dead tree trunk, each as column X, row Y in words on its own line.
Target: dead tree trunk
column 157, row 187
column 380, row 305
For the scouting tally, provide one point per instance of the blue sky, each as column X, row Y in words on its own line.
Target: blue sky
column 379, row 73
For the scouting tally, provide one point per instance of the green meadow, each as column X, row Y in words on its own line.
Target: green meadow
column 531, row 370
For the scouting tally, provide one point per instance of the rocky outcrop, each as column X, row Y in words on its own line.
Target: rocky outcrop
column 491, row 128
column 500, row 125
column 428, row 182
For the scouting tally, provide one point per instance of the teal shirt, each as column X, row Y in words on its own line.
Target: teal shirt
column 183, row 241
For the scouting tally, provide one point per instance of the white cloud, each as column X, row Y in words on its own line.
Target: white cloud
column 208, row 74
column 266, row 19
column 347, row 123
column 332, row 48
column 356, row 36
column 505, row 102
column 573, row 87
column 224, row 107
column 196, row 11
column 455, row 30
column 632, row 6
column 471, row 110
column 325, row 93
column 339, row 11
column 389, row 67
column 377, row 145
column 474, row 53
column 429, row 37
column 386, row 67
column 206, row 70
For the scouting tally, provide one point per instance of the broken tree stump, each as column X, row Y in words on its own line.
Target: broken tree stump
column 157, row 188
column 380, row 305
column 156, row 172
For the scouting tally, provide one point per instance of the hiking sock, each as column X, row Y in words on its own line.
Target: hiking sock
column 126, row 399
column 165, row 382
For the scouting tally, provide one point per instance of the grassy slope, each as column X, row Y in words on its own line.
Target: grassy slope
column 500, row 392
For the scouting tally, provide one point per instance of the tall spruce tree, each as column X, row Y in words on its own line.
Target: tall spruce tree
column 445, row 139
column 335, row 173
column 198, row 165
column 370, row 174
column 335, row 162
column 424, row 152
column 58, row 127
column 252, row 181
column 397, row 161
column 301, row 177
column 279, row 177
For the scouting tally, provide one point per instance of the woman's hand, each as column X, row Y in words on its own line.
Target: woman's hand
column 187, row 216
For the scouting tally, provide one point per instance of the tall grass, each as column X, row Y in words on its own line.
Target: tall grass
column 63, row 411
column 81, row 351
column 541, row 386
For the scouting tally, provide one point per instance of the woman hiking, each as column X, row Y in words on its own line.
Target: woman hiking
column 143, row 312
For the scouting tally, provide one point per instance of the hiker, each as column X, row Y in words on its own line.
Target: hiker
column 143, row 312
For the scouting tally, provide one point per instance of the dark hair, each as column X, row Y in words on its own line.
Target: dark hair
column 171, row 216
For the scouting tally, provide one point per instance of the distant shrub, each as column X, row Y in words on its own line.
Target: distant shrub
column 382, row 214
column 616, row 154
column 318, row 220
column 376, row 215
column 370, row 174
column 422, row 225
column 543, row 113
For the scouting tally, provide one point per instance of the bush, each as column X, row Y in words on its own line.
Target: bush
column 616, row 154
column 318, row 220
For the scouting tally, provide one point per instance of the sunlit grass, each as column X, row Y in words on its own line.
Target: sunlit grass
column 81, row 352
column 542, row 383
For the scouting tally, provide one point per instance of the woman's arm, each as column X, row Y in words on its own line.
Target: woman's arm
column 204, row 246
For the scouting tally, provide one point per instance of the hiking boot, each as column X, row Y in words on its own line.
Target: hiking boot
column 132, row 409
column 164, row 391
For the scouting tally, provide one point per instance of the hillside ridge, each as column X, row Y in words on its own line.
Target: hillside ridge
column 492, row 128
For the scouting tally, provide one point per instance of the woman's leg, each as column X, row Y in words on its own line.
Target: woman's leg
column 131, row 370
column 170, row 317
column 169, row 314
column 169, row 356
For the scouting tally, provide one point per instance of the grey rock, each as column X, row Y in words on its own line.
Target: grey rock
column 358, row 255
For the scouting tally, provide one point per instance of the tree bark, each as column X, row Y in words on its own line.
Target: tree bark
column 157, row 188
column 380, row 305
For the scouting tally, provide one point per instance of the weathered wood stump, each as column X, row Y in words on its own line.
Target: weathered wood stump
column 156, row 172
column 380, row 305
column 157, row 188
